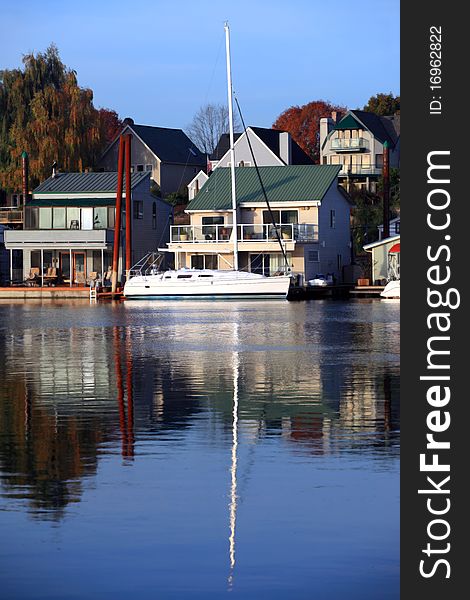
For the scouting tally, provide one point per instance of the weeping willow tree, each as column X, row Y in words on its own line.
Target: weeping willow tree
column 45, row 112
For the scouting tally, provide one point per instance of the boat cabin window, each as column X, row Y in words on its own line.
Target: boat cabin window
column 205, row 275
column 184, row 276
column 167, row 276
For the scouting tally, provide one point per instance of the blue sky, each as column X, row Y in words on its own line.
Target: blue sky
column 159, row 61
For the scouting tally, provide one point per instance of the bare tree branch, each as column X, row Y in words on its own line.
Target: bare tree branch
column 208, row 124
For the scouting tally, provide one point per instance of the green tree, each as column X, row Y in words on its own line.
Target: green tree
column 383, row 104
column 44, row 112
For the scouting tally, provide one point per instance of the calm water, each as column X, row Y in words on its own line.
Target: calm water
column 199, row 449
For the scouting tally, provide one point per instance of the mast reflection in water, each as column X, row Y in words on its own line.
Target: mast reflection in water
column 160, row 423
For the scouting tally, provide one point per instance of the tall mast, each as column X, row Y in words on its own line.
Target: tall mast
column 232, row 152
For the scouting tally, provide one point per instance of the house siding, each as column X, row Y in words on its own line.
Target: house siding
column 334, row 241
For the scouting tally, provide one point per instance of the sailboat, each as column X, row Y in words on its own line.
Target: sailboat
column 146, row 281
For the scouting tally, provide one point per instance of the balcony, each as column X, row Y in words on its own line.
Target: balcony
column 348, row 145
column 216, row 234
column 50, row 239
column 11, row 215
column 349, row 170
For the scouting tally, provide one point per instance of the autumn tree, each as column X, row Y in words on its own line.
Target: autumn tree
column 303, row 123
column 208, row 124
column 383, row 104
column 44, row 112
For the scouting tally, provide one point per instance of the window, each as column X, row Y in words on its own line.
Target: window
column 97, row 261
column 339, row 261
column 204, row 261
column 138, row 206
column 208, row 229
column 31, row 217
column 313, row 256
column 154, row 215
column 111, row 216
column 73, row 218
column 58, row 217
column 184, row 276
column 280, row 216
column 45, row 218
column 100, row 217
column 332, row 219
column 244, row 163
column 148, row 168
column 140, row 168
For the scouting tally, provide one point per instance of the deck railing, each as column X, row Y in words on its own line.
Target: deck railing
column 301, row 232
column 11, row 214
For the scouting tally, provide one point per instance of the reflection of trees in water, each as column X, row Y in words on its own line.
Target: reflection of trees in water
column 316, row 383
column 43, row 460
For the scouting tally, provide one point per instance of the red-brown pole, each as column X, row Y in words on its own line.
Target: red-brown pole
column 130, row 398
column 128, row 207
column 386, row 191
column 117, row 223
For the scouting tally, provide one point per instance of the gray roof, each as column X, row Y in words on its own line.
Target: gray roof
column 170, row 145
column 291, row 183
column 382, row 128
column 79, row 183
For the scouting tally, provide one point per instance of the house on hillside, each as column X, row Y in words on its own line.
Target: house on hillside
column 69, row 225
column 168, row 155
column 271, row 147
column 356, row 143
column 312, row 215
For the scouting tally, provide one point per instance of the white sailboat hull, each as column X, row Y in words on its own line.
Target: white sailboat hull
column 391, row 290
column 205, row 283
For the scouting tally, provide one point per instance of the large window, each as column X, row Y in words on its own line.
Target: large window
column 58, row 217
column 73, row 218
column 204, row 261
column 268, row 264
column 280, row 216
column 100, row 217
column 45, row 218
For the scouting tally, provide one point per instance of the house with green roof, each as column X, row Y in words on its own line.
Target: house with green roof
column 69, row 226
column 311, row 215
column 356, row 142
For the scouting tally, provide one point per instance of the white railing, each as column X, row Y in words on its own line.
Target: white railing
column 348, row 144
column 360, row 170
column 301, row 232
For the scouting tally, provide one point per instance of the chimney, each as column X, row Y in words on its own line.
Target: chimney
column 336, row 116
column 54, row 170
column 285, row 147
column 25, row 173
column 326, row 125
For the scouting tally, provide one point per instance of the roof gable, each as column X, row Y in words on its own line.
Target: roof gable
column 270, row 138
column 169, row 145
column 295, row 183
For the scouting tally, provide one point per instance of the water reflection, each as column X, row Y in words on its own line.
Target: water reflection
column 274, row 386
column 317, row 380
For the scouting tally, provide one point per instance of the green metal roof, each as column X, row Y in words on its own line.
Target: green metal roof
column 79, row 183
column 73, row 202
column 348, row 122
column 293, row 183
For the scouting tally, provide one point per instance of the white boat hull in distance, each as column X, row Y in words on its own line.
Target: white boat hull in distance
column 391, row 290
column 187, row 283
